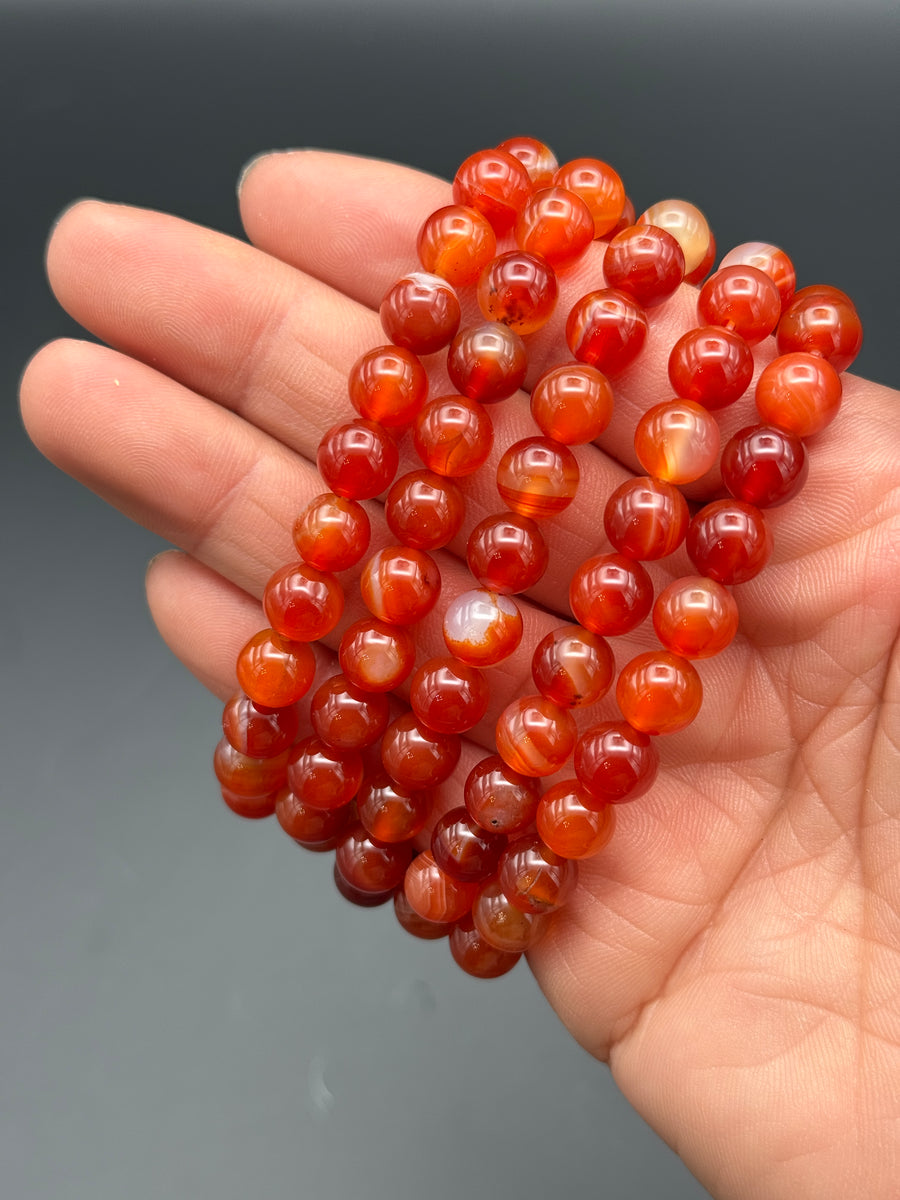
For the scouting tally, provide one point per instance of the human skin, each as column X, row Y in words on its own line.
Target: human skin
column 734, row 953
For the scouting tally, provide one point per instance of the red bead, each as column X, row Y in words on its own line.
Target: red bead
column 259, row 734
column 572, row 667
column 599, row 186
column 371, row 866
column 507, row 553
column 764, row 466
column 495, row 184
column 453, row 436
column 729, row 541
column 610, row 594
column 659, row 692
column 358, row 896
column 358, row 459
column 646, row 518
column 519, row 290
column 487, row 362
column 572, row 403
column 400, row 585
column 463, row 849
column 770, row 260
column 248, row 776
column 448, row 696
column 690, row 229
column 695, row 617
column 711, row 365
column 420, row 312
column 375, row 656
column 313, row 828
column 615, row 763
column 568, row 826
column 821, row 320
column 501, row 924
column 390, row 813
column 500, row 799
column 273, row 671
column 537, row 159
column 323, row 777
column 535, row 736
column 410, row 920
column 346, row 718
column 388, row 385
column 456, row 243
column 416, row 757
column 475, row 955
column 481, row 627
column 800, row 393
column 535, row 879
column 646, row 262
column 424, row 510
column 332, row 534
column 538, row 477
column 556, row 225
column 251, row 808
column 434, row 894
column 303, row 604
column 743, row 299
column 607, row 330
column 677, row 441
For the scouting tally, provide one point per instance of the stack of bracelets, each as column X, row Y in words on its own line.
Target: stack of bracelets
column 386, row 729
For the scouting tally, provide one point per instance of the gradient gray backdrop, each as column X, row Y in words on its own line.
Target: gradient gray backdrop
column 188, row 1010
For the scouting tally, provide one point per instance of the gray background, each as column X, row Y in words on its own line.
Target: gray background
column 188, row 1009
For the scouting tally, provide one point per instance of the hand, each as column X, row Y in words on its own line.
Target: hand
column 734, row 953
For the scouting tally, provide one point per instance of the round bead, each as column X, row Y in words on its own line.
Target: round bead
column 646, row 518
column 487, row 363
column 537, row 159
column 501, row 924
column 519, row 290
column 599, row 186
column 371, row 866
column 357, row 460
column 572, row 667
column 481, row 627
column 534, row 878
column 821, row 320
column 248, row 776
column 435, row 895
column 420, row 312
column 273, row 671
column 495, row 184
column 646, row 262
column 303, row 604
column 677, row 441
column 556, row 225
column 606, row 329
column 410, row 920
column 500, row 799
column 688, row 226
column 416, row 757
column 711, row 366
column 615, row 763
column 610, row 594
column 695, row 617
column 388, row 385
column 251, row 808
column 743, row 299
column 313, row 828
column 400, row 585
column 800, row 393
column 475, row 955
column 729, row 541
column 507, row 553
column 535, row 736
column 358, row 896
column 463, row 849
column 659, row 692
column 456, row 243
column 764, row 466
column 453, row 436
column 375, row 656
column 390, row 813
column 346, row 718
column 568, row 826
column 424, row 510
column 572, row 404
column 323, row 777
column 332, row 533
column 448, row 696
column 259, row 733
column 538, row 477
column 769, row 259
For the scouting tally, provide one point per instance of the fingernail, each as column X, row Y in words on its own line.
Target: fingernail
column 251, row 163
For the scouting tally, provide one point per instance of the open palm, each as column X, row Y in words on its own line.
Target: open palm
column 735, row 952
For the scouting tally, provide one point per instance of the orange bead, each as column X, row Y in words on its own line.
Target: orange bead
column 537, row 159
column 303, row 604
column 800, row 393
column 556, row 225
column 729, row 541
column 572, row 404
column 273, row 671
column 688, row 226
column 371, row 866
column 503, row 925
column 448, row 696
column 409, row 919
column 606, row 329
column 400, row 585
column 487, row 363
column 568, row 827
column 358, row 459
column 659, row 692
column 251, row 808
column 677, row 441
column 534, row 878
column 610, row 594
column 246, row 776
column 435, row 895
column 475, row 955
column 453, row 435
column 743, row 299
column 420, row 312
column 711, row 366
column 456, row 242
column 572, row 667
column 695, row 617
column 346, row 718
column 599, row 186
column 424, row 510
column 535, row 736
column 323, row 777
column 481, row 627
column 507, row 553
column 646, row 518
column 332, row 533
column 615, row 763
column 313, row 828
column 519, row 290
column 390, row 813
column 500, row 799
column 388, row 385
column 416, row 757
column 821, row 320
column 463, row 849
column 769, row 259
column 646, row 262
column 259, row 733
column 375, row 656
column 495, row 184
column 538, row 477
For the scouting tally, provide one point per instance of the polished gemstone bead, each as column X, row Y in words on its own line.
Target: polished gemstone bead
column 371, row 866
column 358, row 459
column 711, row 366
column 610, row 594
column 463, row 849
column 273, row 671
column 448, row 696
column 475, row 955
column 390, row 813
column 420, row 312
column 537, row 159
column 572, row 403
column 800, row 393
column 646, row 262
column 487, row 362
column 599, row 186
column 690, row 229
column 607, row 330
column 646, row 518
column 416, row 757
column 358, row 896
column 313, row 828
column 435, row 895
column 695, row 617
column 251, row 808
column 332, row 534
column 677, row 441
column 388, row 385
column 456, row 243
column 535, row 736
column 572, row 667
column 501, row 924
column 424, row 510
column 507, row 553
column 659, row 692
column 323, row 777
column 534, row 878
column 556, row 225
column 495, row 184
column 743, row 299
column 821, row 320
column 615, row 763
column 400, row 585
column 769, row 259
column 259, row 733
column 538, row 477
column 764, row 466
column 729, row 541
column 482, row 627
column 375, row 656
column 409, row 919
column 500, row 799
column 303, row 604
column 519, row 290
column 247, row 776
column 568, row 826
column 453, row 435
column 346, row 718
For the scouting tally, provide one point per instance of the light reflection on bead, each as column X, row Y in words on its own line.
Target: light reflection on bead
column 500, row 799
column 711, row 365
column 332, row 533
column 555, row 224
